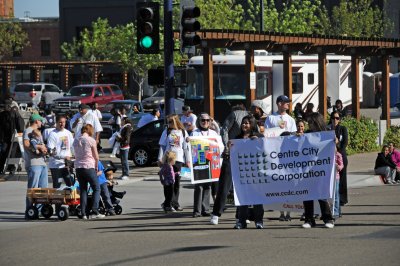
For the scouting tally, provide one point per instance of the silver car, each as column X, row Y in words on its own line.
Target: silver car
column 31, row 93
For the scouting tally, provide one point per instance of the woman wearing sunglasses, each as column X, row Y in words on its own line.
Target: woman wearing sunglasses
column 201, row 205
column 174, row 138
column 341, row 144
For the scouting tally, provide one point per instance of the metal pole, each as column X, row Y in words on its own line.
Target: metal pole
column 261, row 15
column 168, row 59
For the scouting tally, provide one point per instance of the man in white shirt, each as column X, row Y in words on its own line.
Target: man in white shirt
column 144, row 120
column 281, row 118
column 59, row 144
column 188, row 119
column 85, row 117
column 96, row 111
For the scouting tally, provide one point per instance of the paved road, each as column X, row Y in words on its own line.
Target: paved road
column 367, row 234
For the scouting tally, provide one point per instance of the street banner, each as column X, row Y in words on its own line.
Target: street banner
column 283, row 169
column 206, row 160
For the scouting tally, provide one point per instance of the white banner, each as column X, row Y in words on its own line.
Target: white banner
column 283, row 169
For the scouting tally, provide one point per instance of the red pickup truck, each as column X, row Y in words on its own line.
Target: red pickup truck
column 87, row 94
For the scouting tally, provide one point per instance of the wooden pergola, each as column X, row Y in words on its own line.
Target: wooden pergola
column 307, row 44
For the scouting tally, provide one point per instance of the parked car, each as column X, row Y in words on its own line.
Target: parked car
column 87, row 94
column 31, row 93
column 157, row 101
column 144, row 146
column 129, row 106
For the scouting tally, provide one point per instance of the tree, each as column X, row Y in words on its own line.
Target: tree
column 359, row 18
column 117, row 44
column 13, row 38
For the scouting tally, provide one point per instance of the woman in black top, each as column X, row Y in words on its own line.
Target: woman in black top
column 341, row 144
column 249, row 130
column 385, row 166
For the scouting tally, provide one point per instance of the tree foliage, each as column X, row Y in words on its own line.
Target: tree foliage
column 13, row 38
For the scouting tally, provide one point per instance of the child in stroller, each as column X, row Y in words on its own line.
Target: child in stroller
column 114, row 195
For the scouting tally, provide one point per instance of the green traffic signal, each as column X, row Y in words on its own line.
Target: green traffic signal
column 146, row 42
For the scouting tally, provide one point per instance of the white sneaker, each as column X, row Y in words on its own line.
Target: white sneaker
column 112, row 156
column 329, row 225
column 214, row 219
column 124, row 177
column 306, row 225
column 98, row 216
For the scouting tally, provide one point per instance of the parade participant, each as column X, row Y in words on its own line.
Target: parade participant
column 86, row 161
column 35, row 164
column 84, row 117
column 153, row 116
column 188, row 119
column 339, row 108
column 167, row 179
column 250, row 131
column 10, row 121
column 338, row 166
column 124, row 139
column 174, row 138
column 395, row 155
column 61, row 140
column 202, row 191
column 281, row 118
column 385, row 166
column 317, row 123
column 342, row 137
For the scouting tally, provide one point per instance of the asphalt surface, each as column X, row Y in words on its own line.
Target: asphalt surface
column 367, row 234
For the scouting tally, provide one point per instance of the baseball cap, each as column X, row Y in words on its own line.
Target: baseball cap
column 283, row 98
column 186, row 108
column 84, row 106
column 260, row 104
column 35, row 117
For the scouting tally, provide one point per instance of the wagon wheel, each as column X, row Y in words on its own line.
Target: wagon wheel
column 118, row 209
column 32, row 213
column 47, row 211
column 63, row 213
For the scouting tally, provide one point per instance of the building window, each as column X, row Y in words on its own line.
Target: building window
column 45, row 47
column 310, row 78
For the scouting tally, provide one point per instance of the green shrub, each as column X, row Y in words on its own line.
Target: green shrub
column 362, row 135
column 392, row 135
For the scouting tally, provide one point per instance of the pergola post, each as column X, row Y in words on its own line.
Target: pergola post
column 208, row 81
column 385, row 90
column 355, row 86
column 250, row 93
column 322, row 87
column 287, row 76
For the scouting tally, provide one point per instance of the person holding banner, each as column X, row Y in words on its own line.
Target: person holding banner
column 202, row 191
column 249, row 131
column 317, row 123
column 174, row 138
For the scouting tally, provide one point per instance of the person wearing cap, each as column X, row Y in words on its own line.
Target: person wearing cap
column 259, row 109
column 35, row 164
column 202, row 191
column 85, row 117
column 188, row 119
column 281, row 118
column 147, row 118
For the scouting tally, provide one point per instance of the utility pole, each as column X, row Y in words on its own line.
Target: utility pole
column 168, row 59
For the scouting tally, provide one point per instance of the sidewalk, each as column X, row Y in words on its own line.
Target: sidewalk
column 360, row 170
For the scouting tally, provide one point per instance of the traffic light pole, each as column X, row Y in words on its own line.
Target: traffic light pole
column 168, row 59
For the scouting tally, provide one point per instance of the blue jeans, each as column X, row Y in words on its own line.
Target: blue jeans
column 336, row 206
column 105, row 195
column 37, row 178
column 86, row 176
column 124, row 162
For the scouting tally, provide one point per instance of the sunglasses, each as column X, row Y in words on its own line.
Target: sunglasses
column 205, row 120
column 336, row 118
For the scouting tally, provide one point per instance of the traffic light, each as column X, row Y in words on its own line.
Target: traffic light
column 189, row 26
column 148, row 27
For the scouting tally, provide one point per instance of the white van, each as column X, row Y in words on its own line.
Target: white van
column 31, row 93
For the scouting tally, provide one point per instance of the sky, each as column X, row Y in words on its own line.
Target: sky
column 37, row 8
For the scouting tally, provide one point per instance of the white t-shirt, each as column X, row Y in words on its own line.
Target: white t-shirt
column 192, row 118
column 88, row 118
column 175, row 141
column 97, row 113
column 144, row 120
column 275, row 119
column 62, row 141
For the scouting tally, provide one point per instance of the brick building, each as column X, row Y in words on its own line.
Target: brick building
column 6, row 8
